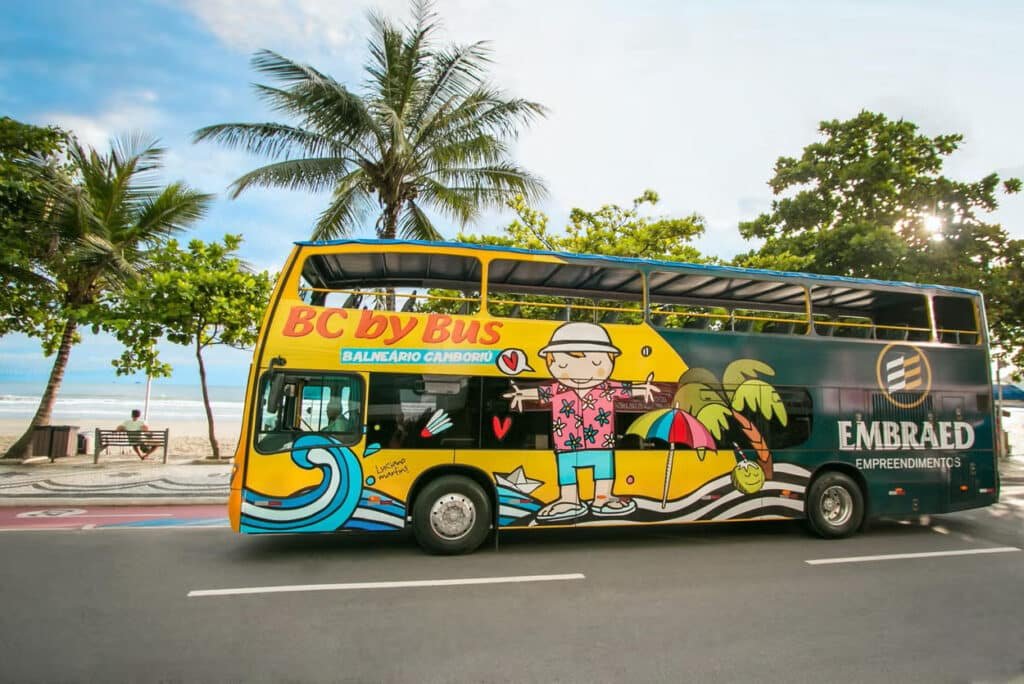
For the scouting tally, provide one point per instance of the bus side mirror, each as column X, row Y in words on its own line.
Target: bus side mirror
column 276, row 393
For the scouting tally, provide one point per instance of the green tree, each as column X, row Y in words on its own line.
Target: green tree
column 869, row 200
column 427, row 132
column 200, row 297
column 26, row 294
column 611, row 230
column 90, row 239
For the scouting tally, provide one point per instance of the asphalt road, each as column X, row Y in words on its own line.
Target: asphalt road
column 714, row 603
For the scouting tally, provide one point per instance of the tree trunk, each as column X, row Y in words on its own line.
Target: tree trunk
column 757, row 442
column 20, row 448
column 390, row 231
column 206, row 400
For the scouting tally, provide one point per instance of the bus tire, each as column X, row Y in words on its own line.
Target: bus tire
column 834, row 505
column 451, row 515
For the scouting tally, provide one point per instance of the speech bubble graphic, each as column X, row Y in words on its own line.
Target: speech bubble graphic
column 512, row 361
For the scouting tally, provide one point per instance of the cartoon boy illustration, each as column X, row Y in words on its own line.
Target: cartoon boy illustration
column 581, row 358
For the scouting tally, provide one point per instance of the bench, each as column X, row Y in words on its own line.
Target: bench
column 129, row 438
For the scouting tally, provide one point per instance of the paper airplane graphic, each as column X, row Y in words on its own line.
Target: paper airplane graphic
column 518, row 481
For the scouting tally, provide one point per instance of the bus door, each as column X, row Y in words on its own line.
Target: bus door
column 970, row 467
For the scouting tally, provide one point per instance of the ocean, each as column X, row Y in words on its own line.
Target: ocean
column 109, row 404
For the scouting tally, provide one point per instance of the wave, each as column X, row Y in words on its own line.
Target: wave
column 108, row 409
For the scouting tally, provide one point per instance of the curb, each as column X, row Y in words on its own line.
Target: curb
column 112, row 501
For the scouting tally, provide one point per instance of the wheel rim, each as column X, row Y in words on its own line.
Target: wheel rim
column 452, row 516
column 836, row 505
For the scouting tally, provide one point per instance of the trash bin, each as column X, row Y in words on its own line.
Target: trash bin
column 41, row 438
column 64, row 441
column 83, row 443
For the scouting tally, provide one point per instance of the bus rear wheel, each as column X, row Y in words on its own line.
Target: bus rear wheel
column 451, row 515
column 834, row 505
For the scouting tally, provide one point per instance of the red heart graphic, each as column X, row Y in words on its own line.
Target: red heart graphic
column 501, row 426
column 510, row 360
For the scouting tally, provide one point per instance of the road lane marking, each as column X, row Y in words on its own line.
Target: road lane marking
column 385, row 585
column 899, row 556
column 127, row 515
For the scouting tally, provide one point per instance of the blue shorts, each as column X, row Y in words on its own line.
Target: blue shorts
column 601, row 460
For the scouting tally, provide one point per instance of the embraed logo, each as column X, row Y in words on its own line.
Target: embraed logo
column 904, row 375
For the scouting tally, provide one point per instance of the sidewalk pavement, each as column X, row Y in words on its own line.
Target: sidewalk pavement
column 120, row 480
column 117, row 480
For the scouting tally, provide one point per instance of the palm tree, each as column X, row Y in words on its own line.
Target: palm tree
column 716, row 403
column 428, row 131
column 92, row 238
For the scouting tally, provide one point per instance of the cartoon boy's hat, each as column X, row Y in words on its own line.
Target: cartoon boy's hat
column 580, row 337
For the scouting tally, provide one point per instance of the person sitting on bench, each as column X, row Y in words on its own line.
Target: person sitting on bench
column 141, row 448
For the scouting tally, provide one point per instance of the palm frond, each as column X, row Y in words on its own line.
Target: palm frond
column 287, row 71
column 326, row 107
column 173, row 210
column 266, row 139
column 483, row 111
column 457, row 72
column 500, row 179
column 315, row 174
column 350, row 203
column 416, row 225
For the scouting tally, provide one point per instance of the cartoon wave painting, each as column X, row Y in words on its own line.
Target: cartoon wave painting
column 339, row 501
column 781, row 497
column 515, row 499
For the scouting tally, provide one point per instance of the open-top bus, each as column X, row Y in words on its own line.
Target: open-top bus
column 460, row 389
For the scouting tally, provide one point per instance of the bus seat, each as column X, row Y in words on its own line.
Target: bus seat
column 353, row 301
column 610, row 317
column 658, row 320
column 410, row 303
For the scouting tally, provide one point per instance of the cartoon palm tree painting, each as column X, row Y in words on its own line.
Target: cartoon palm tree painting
column 716, row 404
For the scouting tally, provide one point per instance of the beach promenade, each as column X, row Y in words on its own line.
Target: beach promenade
column 114, row 481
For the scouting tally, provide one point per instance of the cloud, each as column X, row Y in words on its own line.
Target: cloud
column 125, row 113
column 303, row 27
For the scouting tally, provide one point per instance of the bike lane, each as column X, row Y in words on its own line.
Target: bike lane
column 41, row 517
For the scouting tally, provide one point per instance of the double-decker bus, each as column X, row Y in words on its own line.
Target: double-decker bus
column 460, row 389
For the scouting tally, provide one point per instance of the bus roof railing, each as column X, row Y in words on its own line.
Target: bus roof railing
column 807, row 278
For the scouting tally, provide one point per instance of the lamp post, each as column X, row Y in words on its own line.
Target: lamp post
column 145, row 408
column 999, row 405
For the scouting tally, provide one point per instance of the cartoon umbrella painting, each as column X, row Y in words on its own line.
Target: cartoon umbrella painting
column 674, row 426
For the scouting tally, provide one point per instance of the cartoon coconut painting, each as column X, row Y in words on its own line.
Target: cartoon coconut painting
column 719, row 404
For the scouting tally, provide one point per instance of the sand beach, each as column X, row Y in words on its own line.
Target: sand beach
column 188, row 439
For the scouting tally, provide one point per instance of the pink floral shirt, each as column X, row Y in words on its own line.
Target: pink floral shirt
column 583, row 422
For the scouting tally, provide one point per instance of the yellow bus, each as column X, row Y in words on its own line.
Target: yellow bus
column 460, row 389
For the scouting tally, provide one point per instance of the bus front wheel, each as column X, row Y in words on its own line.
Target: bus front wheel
column 451, row 515
column 835, row 505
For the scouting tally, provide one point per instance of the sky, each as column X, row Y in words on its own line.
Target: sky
column 695, row 100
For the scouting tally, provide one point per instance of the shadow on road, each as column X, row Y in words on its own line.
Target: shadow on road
column 256, row 548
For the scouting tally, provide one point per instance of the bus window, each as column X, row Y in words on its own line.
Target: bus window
column 528, row 429
column 415, row 411
column 391, row 280
column 862, row 313
column 564, row 292
column 955, row 320
column 689, row 317
column 329, row 404
column 704, row 301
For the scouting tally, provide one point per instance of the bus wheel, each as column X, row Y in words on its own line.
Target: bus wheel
column 451, row 515
column 835, row 505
